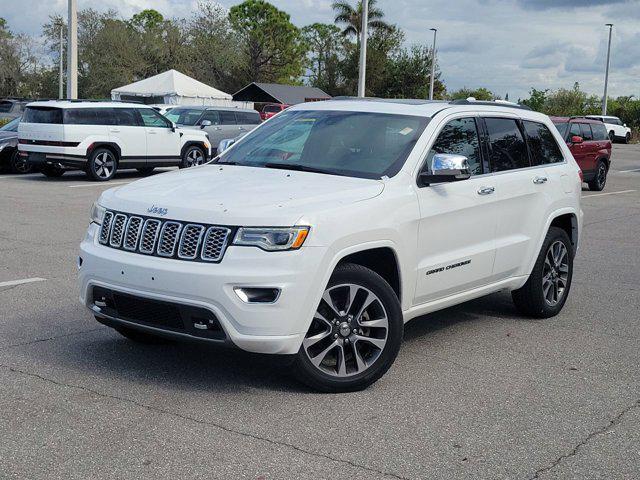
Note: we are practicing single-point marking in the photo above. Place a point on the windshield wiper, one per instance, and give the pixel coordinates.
(295, 166)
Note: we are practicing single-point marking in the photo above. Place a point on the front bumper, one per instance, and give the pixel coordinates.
(276, 328)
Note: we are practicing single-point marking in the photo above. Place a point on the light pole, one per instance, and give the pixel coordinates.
(363, 49)
(61, 67)
(606, 72)
(72, 51)
(433, 63)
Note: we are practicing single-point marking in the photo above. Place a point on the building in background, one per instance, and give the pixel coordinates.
(264, 93)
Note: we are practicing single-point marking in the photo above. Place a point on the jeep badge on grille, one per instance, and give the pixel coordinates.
(157, 210)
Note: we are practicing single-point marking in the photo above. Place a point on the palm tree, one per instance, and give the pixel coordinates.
(351, 18)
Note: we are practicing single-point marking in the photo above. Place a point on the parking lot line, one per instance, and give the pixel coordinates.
(608, 193)
(13, 283)
(2, 177)
(627, 171)
(105, 184)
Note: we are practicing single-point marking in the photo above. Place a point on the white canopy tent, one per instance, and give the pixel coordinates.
(175, 88)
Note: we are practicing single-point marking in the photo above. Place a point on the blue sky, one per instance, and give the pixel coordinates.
(507, 46)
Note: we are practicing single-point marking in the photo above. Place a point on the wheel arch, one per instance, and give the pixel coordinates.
(113, 147)
(197, 143)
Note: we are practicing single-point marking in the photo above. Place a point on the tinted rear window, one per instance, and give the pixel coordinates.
(248, 118)
(599, 131)
(227, 118)
(89, 116)
(507, 148)
(43, 115)
(542, 144)
(271, 109)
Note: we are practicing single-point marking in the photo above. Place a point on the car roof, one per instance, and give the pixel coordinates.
(418, 107)
(575, 119)
(85, 104)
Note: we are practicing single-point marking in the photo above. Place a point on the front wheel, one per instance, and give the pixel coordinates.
(102, 165)
(192, 156)
(600, 180)
(547, 288)
(627, 138)
(19, 165)
(612, 136)
(355, 334)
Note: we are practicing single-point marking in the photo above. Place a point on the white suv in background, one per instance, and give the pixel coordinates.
(102, 137)
(320, 233)
(616, 129)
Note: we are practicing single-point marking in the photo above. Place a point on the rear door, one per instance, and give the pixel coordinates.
(589, 149)
(163, 143)
(247, 121)
(522, 193)
(456, 237)
(129, 134)
(40, 125)
(228, 124)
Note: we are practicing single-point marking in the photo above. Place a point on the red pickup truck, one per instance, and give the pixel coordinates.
(272, 109)
(590, 145)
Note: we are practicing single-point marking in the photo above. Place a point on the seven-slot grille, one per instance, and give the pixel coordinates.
(164, 238)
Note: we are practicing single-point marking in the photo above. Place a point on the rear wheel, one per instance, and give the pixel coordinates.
(355, 334)
(600, 179)
(19, 165)
(547, 288)
(102, 165)
(192, 156)
(52, 171)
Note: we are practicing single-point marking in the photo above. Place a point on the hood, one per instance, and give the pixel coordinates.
(237, 195)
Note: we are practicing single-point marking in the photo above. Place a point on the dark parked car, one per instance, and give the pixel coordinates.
(590, 145)
(9, 158)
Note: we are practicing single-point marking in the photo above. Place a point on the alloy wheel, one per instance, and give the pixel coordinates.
(194, 157)
(555, 273)
(349, 331)
(601, 176)
(104, 165)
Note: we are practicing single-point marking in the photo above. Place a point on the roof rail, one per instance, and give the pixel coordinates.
(466, 101)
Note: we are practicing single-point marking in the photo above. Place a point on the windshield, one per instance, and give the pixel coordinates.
(184, 116)
(562, 127)
(12, 126)
(357, 144)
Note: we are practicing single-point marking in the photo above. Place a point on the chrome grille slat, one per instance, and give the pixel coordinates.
(164, 238)
(190, 241)
(215, 242)
(169, 236)
(117, 230)
(150, 233)
(134, 227)
(105, 228)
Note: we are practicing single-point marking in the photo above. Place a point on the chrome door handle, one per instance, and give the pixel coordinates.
(486, 191)
(153, 132)
(540, 180)
(114, 130)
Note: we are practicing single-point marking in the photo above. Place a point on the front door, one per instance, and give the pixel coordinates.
(163, 143)
(456, 237)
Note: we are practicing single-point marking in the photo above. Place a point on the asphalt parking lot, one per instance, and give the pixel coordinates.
(476, 392)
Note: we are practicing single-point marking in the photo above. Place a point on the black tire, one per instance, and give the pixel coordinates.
(52, 171)
(102, 165)
(18, 165)
(600, 179)
(627, 138)
(192, 155)
(315, 377)
(142, 337)
(612, 136)
(530, 299)
(146, 170)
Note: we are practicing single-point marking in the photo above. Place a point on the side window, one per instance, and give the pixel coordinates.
(575, 131)
(151, 118)
(599, 131)
(248, 118)
(212, 116)
(542, 144)
(126, 117)
(459, 137)
(507, 149)
(586, 131)
(227, 118)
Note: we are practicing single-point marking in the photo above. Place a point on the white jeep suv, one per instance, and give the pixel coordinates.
(616, 129)
(102, 137)
(323, 231)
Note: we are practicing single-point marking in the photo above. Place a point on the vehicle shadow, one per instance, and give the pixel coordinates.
(103, 354)
(79, 176)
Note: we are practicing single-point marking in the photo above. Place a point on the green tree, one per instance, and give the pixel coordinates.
(351, 18)
(536, 100)
(408, 75)
(479, 94)
(325, 51)
(273, 47)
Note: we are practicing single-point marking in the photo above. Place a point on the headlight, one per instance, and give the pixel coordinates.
(272, 239)
(97, 213)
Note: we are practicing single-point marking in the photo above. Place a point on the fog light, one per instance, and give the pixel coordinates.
(257, 295)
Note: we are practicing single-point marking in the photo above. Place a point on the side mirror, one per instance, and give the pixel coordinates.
(225, 144)
(624, 125)
(205, 123)
(173, 127)
(576, 139)
(446, 168)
